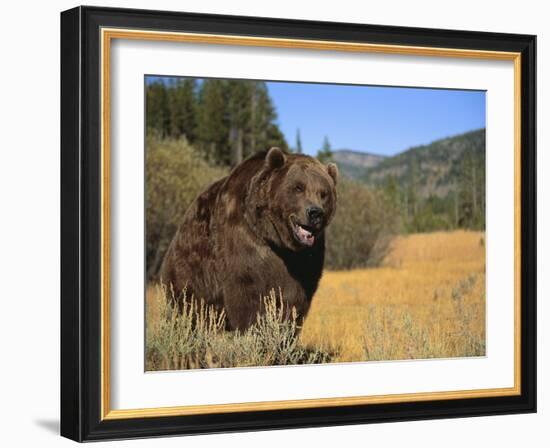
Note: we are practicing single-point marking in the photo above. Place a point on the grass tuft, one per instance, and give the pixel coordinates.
(196, 337)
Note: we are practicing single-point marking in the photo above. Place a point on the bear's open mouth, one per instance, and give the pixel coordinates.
(303, 233)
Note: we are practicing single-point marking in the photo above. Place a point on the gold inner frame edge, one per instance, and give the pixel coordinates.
(107, 35)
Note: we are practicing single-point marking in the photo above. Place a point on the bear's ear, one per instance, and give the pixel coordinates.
(333, 172)
(275, 158)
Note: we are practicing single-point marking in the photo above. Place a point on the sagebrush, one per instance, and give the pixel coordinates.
(194, 337)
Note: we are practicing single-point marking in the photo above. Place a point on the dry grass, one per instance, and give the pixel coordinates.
(196, 339)
(427, 301)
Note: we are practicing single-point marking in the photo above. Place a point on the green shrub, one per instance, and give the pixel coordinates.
(195, 338)
(174, 175)
(362, 229)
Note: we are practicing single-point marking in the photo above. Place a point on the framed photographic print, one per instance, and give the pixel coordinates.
(275, 224)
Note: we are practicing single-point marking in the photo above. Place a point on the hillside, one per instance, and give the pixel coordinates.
(434, 168)
(354, 164)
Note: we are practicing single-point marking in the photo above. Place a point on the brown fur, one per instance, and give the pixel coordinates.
(236, 240)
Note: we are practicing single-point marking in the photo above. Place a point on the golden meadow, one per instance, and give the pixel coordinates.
(426, 300)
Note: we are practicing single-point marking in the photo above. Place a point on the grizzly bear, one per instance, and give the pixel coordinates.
(261, 228)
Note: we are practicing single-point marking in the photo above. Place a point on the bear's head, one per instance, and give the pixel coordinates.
(292, 199)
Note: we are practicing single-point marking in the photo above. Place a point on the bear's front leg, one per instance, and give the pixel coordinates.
(245, 301)
(242, 304)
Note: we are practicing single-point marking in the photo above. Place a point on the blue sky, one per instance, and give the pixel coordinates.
(381, 120)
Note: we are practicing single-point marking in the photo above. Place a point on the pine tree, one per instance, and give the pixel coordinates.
(212, 130)
(298, 142)
(267, 133)
(466, 191)
(239, 117)
(391, 192)
(471, 189)
(157, 110)
(252, 125)
(276, 138)
(325, 153)
(412, 199)
(183, 109)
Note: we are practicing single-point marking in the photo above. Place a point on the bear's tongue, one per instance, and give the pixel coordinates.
(305, 236)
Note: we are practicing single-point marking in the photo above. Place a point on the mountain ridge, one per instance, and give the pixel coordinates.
(433, 167)
(354, 163)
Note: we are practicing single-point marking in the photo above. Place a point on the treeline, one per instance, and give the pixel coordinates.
(462, 205)
(224, 120)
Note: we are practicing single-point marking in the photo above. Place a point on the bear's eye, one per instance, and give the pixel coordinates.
(324, 194)
(298, 188)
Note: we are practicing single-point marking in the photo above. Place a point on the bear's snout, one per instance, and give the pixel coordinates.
(315, 215)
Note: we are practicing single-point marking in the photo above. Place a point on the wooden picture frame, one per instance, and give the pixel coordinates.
(86, 36)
